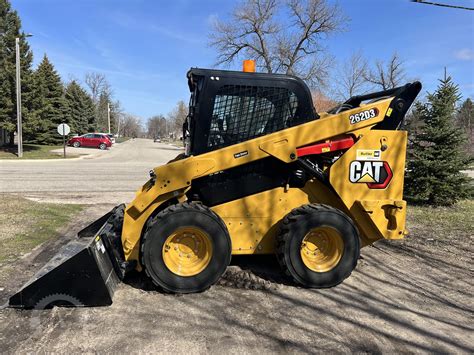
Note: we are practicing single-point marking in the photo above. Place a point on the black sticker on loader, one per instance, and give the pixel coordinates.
(241, 154)
(363, 116)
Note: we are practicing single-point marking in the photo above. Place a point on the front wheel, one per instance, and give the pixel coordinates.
(186, 248)
(102, 146)
(318, 245)
(76, 144)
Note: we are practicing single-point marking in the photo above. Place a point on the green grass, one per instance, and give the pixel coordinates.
(121, 139)
(33, 151)
(24, 224)
(458, 218)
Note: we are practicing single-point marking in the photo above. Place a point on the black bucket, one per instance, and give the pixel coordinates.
(85, 272)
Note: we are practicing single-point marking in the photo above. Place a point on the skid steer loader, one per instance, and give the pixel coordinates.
(262, 173)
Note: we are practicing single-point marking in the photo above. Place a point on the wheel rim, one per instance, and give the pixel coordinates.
(322, 249)
(187, 251)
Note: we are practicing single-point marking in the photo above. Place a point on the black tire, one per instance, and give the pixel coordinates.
(293, 230)
(102, 146)
(164, 224)
(76, 144)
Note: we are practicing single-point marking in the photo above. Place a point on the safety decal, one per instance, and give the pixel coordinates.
(99, 245)
(241, 154)
(376, 174)
(363, 116)
(368, 154)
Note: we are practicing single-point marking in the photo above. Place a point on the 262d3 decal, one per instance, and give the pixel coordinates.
(376, 174)
(363, 116)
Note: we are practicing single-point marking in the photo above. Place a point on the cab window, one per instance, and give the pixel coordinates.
(245, 112)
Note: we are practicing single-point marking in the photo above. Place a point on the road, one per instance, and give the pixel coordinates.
(111, 177)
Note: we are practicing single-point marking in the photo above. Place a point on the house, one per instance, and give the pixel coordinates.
(4, 137)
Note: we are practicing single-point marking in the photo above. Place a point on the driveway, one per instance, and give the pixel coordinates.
(112, 176)
(407, 296)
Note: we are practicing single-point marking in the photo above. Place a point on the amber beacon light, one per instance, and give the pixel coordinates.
(249, 66)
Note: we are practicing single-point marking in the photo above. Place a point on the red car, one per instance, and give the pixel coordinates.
(100, 141)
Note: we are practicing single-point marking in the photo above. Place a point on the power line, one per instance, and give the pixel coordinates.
(443, 5)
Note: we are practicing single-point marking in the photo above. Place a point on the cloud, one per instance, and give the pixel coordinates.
(465, 54)
(129, 22)
(212, 19)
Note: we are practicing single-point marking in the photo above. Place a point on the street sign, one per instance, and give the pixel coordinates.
(64, 129)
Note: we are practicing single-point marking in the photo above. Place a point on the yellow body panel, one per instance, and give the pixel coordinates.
(252, 221)
(379, 213)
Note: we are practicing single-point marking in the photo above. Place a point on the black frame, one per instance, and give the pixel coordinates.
(204, 85)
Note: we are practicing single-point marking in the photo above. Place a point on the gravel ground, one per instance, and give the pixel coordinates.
(408, 296)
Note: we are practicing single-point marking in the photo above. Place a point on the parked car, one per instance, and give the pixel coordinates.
(110, 135)
(97, 140)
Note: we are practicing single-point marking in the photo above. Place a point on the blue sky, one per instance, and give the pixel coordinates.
(145, 47)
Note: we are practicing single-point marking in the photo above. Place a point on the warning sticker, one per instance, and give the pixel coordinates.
(368, 154)
(99, 245)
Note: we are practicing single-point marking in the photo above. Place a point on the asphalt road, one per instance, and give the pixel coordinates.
(112, 176)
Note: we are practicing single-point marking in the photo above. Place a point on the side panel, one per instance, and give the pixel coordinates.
(253, 221)
(369, 180)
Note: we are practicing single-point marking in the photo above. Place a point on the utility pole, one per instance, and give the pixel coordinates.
(19, 128)
(19, 133)
(108, 115)
(118, 124)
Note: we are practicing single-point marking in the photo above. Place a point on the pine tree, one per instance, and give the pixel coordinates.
(436, 157)
(81, 109)
(10, 29)
(49, 106)
(465, 118)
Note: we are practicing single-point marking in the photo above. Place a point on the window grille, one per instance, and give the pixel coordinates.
(245, 112)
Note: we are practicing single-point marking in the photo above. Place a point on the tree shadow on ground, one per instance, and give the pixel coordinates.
(403, 297)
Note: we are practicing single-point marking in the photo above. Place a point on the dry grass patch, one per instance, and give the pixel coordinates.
(24, 224)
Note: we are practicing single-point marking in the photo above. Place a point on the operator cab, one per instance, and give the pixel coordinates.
(229, 107)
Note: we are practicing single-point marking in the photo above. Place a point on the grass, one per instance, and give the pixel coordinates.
(455, 219)
(121, 139)
(25, 224)
(33, 151)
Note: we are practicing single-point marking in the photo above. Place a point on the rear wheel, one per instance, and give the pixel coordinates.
(102, 146)
(76, 144)
(186, 248)
(318, 245)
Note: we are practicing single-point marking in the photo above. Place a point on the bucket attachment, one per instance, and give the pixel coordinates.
(85, 272)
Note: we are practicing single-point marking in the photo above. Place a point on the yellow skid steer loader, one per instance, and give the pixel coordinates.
(262, 173)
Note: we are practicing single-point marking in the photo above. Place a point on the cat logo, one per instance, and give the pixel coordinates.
(376, 174)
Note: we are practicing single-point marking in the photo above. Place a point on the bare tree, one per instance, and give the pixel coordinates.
(256, 31)
(177, 117)
(387, 75)
(97, 84)
(351, 77)
(156, 127)
(130, 126)
(322, 103)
